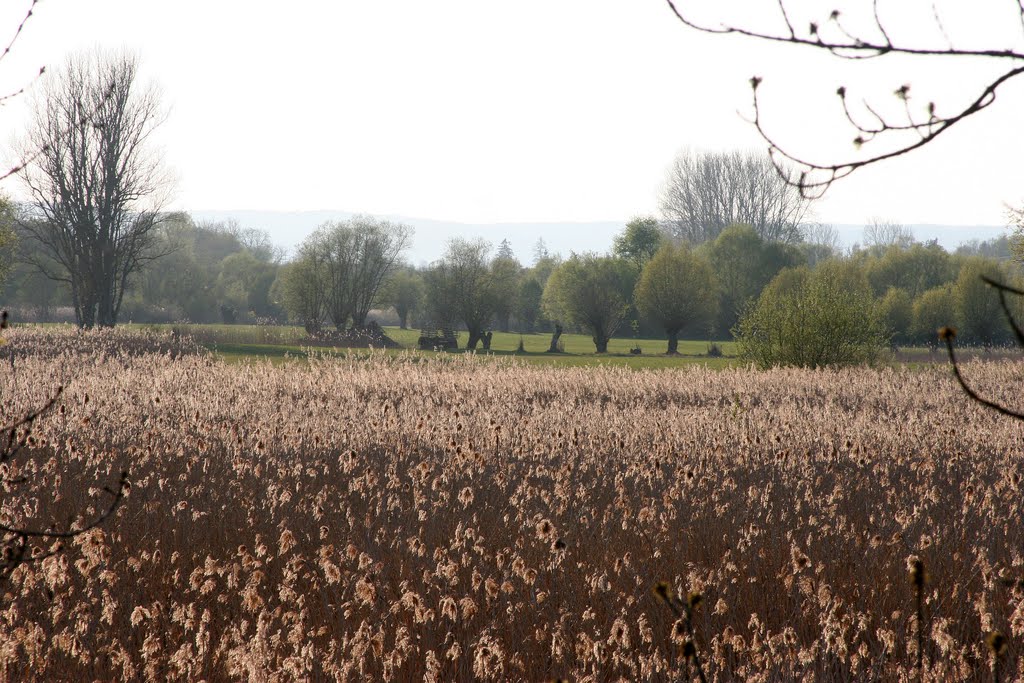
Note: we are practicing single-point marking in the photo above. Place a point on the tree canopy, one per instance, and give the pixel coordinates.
(460, 288)
(639, 241)
(812, 318)
(590, 291)
(678, 291)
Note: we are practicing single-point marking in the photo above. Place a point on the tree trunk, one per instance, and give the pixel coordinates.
(486, 339)
(403, 318)
(601, 342)
(673, 343)
(106, 279)
(474, 337)
(554, 339)
(87, 308)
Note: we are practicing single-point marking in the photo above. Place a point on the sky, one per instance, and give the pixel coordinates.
(535, 111)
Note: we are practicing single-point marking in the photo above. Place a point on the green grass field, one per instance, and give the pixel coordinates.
(278, 344)
(237, 343)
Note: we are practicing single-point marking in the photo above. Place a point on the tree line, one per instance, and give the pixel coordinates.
(901, 290)
(223, 273)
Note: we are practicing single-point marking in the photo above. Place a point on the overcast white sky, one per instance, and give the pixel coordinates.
(538, 110)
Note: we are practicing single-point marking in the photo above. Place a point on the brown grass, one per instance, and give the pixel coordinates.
(450, 519)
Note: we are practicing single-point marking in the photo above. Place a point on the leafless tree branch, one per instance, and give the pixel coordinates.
(947, 335)
(815, 177)
(17, 541)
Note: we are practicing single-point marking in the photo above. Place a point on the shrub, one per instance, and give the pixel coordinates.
(977, 305)
(812, 319)
(896, 309)
(933, 309)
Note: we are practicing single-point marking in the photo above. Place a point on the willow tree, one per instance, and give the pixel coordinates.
(678, 291)
(461, 288)
(357, 257)
(592, 292)
(94, 180)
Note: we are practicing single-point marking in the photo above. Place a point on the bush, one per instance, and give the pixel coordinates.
(812, 319)
(896, 309)
(934, 309)
(978, 313)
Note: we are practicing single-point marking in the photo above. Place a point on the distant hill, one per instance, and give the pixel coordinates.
(289, 228)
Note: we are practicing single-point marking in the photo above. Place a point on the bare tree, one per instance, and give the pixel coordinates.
(357, 256)
(861, 34)
(706, 192)
(334, 243)
(883, 233)
(379, 244)
(95, 184)
(819, 242)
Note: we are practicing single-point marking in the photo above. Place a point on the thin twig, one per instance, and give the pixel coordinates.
(815, 178)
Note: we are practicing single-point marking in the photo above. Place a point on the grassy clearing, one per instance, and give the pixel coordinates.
(242, 343)
(239, 343)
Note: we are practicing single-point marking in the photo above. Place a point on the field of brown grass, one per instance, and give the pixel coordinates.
(448, 519)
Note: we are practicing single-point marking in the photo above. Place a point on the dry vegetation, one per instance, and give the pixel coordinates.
(451, 519)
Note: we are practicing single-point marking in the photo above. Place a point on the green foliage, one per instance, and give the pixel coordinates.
(914, 269)
(592, 292)
(896, 309)
(461, 288)
(1000, 248)
(543, 268)
(743, 264)
(8, 238)
(205, 267)
(678, 291)
(1016, 219)
(640, 241)
(812, 319)
(404, 291)
(934, 309)
(978, 312)
(505, 273)
(301, 288)
(528, 303)
(244, 283)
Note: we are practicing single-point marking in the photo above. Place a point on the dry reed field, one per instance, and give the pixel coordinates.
(451, 519)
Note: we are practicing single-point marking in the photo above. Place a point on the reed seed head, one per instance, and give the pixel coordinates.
(997, 643)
